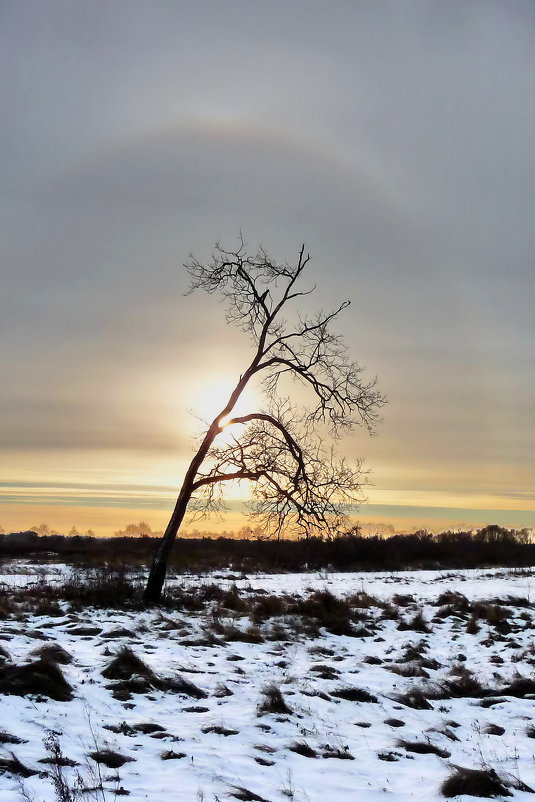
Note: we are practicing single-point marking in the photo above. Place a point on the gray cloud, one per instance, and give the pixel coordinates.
(395, 139)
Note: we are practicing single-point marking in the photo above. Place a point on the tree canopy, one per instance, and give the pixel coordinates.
(285, 450)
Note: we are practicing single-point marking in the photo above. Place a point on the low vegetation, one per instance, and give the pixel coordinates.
(287, 672)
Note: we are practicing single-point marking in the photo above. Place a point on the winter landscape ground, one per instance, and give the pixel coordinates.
(308, 687)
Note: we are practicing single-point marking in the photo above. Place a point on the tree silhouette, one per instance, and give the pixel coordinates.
(298, 485)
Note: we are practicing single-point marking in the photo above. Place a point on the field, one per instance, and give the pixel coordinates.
(313, 687)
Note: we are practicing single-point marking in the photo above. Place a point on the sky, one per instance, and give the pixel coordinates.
(396, 139)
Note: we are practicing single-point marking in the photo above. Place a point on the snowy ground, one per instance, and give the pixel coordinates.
(221, 745)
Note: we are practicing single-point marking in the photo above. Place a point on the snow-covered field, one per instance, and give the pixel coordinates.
(460, 659)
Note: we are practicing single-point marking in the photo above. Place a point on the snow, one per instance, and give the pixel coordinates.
(215, 764)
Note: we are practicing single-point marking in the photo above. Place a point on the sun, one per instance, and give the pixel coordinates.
(212, 395)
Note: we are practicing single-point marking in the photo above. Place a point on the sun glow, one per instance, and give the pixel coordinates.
(211, 398)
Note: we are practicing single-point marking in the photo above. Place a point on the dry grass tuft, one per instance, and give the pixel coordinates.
(53, 652)
(484, 783)
(273, 701)
(110, 759)
(40, 678)
(133, 675)
(302, 748)
(423, 748)
(355, 695)
(12, 765)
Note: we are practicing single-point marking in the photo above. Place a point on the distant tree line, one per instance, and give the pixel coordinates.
(491, 545)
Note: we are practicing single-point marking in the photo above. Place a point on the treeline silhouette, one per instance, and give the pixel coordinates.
(492, 545)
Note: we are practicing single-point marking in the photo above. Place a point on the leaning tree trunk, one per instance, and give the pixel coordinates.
(153, 588)
(158, 570)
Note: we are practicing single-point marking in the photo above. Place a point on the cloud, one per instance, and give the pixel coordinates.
(395, 140)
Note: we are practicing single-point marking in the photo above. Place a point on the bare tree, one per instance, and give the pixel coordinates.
(297, 483)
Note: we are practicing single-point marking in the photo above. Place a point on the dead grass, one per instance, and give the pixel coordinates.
(133, 675)
(486, 783)
(273, 701)
(327, 611)
(109, 758)
(269, 607)
(7, 738)
(408, 670)
(245, 795)
(494, 729)
(423, 748)
(464, 685)
(416, 698)
(53, 652)
(519, 687)
(5, 657)
(126, 665)
(302, 748)
(169, 754)
(12, 765)
(416, 624)
(453, 600)
(355, 695)
(324, 671)
(338, 752)
(40, 678)
(218, 729)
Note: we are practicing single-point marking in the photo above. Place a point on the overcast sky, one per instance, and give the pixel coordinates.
(396, 139)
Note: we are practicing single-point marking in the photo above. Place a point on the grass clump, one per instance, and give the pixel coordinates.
(324, 671)
(39, 678)
(416, 624)
(132, 675)
(109, 758)
(269, 607)
(245, 795)
(8, 738)
(273, 701)
(302, 748)
(423, 748)
(53, 652)
(416, 698)
(218, 729)
(486, 783)
(327, 611)
(5, 657)
(338, 752)
(519, 687)
(464, 685)
(355, 695)
(408, 670)
(12, 765)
